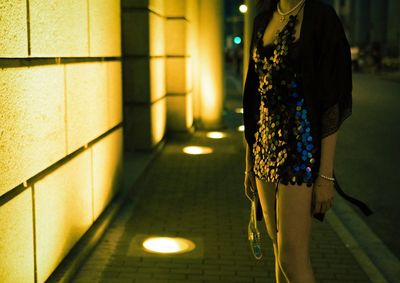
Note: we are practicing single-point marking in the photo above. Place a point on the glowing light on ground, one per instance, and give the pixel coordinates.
(239, 110)
(241, 128)
(243, 8)
(195, 150)
(216, 135)
(168, 245)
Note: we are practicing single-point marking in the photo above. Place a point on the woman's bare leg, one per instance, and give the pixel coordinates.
(266, 192)
(294, 230)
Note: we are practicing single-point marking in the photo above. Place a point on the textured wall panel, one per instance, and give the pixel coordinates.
(180, 112)
(144, 79)
(156, 6)
(59, 28)
(137, 127)
(105, 28)
(175, 8)
(63, 207)
(13, 29)
(158, 121)
(114, 93)
(16, 239)
(32, 126)
(107, 169)
(145, 125)
(137, 80)
(157, 78)
(146, 26)
(178, 75)
(87, 109)
(176, 37)
(135, 25)
(156, 34)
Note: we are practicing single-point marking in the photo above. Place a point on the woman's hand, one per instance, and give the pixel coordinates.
(249, 184)
(323, 191)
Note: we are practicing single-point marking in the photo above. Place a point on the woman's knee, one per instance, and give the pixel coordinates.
(271, 228)
(292, 258)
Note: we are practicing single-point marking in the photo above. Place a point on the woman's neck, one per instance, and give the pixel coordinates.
(287, 5)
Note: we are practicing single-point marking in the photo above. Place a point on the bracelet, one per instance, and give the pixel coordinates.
(327, 178)
(249, 171)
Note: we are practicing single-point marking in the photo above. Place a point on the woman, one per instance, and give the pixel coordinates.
(296, 96)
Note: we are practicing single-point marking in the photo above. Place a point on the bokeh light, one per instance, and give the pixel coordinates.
(243, 8)
(237, 40)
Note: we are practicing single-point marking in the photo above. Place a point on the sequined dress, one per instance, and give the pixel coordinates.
(285, 150)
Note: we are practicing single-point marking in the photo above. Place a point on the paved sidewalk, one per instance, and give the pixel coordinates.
(201, 198)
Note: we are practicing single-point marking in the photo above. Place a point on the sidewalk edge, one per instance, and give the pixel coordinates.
(378, 262)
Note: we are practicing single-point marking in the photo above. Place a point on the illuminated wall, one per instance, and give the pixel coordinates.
(60, 128)
(145, 103)
(173, 68)
(179, 67)
(211, 62)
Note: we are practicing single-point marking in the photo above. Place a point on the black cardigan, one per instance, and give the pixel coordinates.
(325, 67)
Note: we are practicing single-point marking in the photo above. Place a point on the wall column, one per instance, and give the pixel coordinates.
(144, 73)
(178, 65)
(211, 62)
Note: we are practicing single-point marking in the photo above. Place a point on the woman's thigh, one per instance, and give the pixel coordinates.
(266, 193)
(294, 218)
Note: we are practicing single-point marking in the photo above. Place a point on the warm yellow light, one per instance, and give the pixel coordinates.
(243, 8)
(241, 128)
(239, 110)
(197, 150)
(168, 245)
(216, 135)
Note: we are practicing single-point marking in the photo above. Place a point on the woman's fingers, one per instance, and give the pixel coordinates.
(247, 188)
(323, 206)
(317, 207)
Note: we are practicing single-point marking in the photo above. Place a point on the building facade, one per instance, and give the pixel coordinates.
(371, 21)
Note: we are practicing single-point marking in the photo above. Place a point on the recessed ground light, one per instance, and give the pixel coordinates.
(241, 128)
(197, 150)
(168, 245)
(216, 135)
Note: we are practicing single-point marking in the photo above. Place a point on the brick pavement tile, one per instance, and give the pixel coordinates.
(201, 197)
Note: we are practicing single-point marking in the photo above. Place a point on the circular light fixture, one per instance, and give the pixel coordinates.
(243, 8)
(239, 110)
(196, 150)
(216, 135)
(168, 245)
(241, 128)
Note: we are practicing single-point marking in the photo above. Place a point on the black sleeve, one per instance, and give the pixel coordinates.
(335, 75)
(250, 97)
